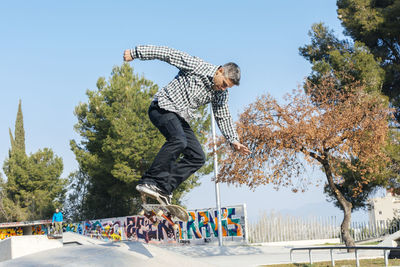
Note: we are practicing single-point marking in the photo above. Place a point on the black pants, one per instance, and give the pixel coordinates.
(166, 172)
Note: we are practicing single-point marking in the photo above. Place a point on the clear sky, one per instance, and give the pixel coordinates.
(52, 52)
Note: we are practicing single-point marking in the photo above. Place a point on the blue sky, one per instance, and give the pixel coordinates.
(52, 52)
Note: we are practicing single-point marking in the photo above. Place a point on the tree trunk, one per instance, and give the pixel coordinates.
(346, 205)
(345, 226)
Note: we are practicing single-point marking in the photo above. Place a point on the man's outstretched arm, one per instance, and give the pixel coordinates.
(179, 59)
(225, 124)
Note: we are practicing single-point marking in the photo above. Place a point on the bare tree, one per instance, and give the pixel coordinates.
(327, 127)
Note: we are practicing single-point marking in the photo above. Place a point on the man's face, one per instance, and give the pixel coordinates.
(56, 210)
(221, 83)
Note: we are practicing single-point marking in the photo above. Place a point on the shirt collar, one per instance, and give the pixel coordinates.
(212, 74)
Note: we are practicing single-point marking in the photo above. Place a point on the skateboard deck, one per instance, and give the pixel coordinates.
(173, 211)
(158, 212)
(53, 235)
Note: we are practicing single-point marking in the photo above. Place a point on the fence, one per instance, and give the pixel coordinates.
(274, 227)
(364, 231)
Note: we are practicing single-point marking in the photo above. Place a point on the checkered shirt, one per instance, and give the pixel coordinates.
(191, 88)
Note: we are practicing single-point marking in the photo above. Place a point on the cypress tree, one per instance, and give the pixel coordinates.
(34, 188)
(18, 143)
(19, 130)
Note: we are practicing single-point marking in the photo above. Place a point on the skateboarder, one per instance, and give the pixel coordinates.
(197, 83)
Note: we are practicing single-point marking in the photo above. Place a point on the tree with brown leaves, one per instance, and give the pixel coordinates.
(326, 127)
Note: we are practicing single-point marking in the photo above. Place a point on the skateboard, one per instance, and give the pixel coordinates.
(53, 234)
(158, 212)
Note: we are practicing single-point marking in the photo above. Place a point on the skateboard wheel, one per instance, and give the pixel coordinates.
(160, 213)
(175, 227)
(141, 213)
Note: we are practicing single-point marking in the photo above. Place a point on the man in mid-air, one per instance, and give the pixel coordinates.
(197, 83)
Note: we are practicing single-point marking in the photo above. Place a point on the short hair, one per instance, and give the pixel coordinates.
(232, 72)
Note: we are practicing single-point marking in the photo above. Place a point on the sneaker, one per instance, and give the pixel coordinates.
(155, 192)
(149, 189)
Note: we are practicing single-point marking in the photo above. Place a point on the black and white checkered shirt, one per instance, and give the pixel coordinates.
(191, 88)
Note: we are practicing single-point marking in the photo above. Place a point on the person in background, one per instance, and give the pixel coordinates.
(57, 221)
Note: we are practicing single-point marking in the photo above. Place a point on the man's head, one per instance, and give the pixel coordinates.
(57, 210)
(227, 76)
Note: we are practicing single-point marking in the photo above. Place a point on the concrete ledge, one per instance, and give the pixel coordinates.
(18, 246)
(5, 249)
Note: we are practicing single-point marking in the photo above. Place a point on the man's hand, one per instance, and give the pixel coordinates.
(241, 148)
(127, 55)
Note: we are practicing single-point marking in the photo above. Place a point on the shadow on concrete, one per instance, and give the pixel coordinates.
(137, 247)
(206, 250)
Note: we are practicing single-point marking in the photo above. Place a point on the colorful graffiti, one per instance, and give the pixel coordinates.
(105, 229)
(40, 229)
(9, 232)
(202, 227)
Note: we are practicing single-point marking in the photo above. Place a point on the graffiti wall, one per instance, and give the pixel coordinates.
(9, 232)
(201, 228)
(40, 227)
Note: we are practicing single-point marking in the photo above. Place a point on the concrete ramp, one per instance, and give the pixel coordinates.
(127, 253)
(18, 246)
(392, 240)
(74, 238)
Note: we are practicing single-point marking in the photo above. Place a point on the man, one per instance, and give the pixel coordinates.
(57, 221)
(197, 83)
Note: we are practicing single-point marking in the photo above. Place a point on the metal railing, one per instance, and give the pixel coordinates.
(356, 249)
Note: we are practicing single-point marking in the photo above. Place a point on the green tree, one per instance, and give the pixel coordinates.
(349, 179)
(34, 187)
(45, 187)
(75, 204)
(376, 24)
(348, 61)
(119, 143)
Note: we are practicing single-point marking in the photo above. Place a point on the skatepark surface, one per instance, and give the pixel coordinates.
(83, 251)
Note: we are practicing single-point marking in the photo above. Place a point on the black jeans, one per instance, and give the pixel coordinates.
(166, 172)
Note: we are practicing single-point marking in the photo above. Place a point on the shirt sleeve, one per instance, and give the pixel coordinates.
(179, 59)
(223, 117)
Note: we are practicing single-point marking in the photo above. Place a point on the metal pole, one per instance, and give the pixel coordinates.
(217, 194)
(357, 260)
(385, 255)
(332, 260)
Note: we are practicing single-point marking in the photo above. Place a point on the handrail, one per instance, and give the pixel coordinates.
(356, 248)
